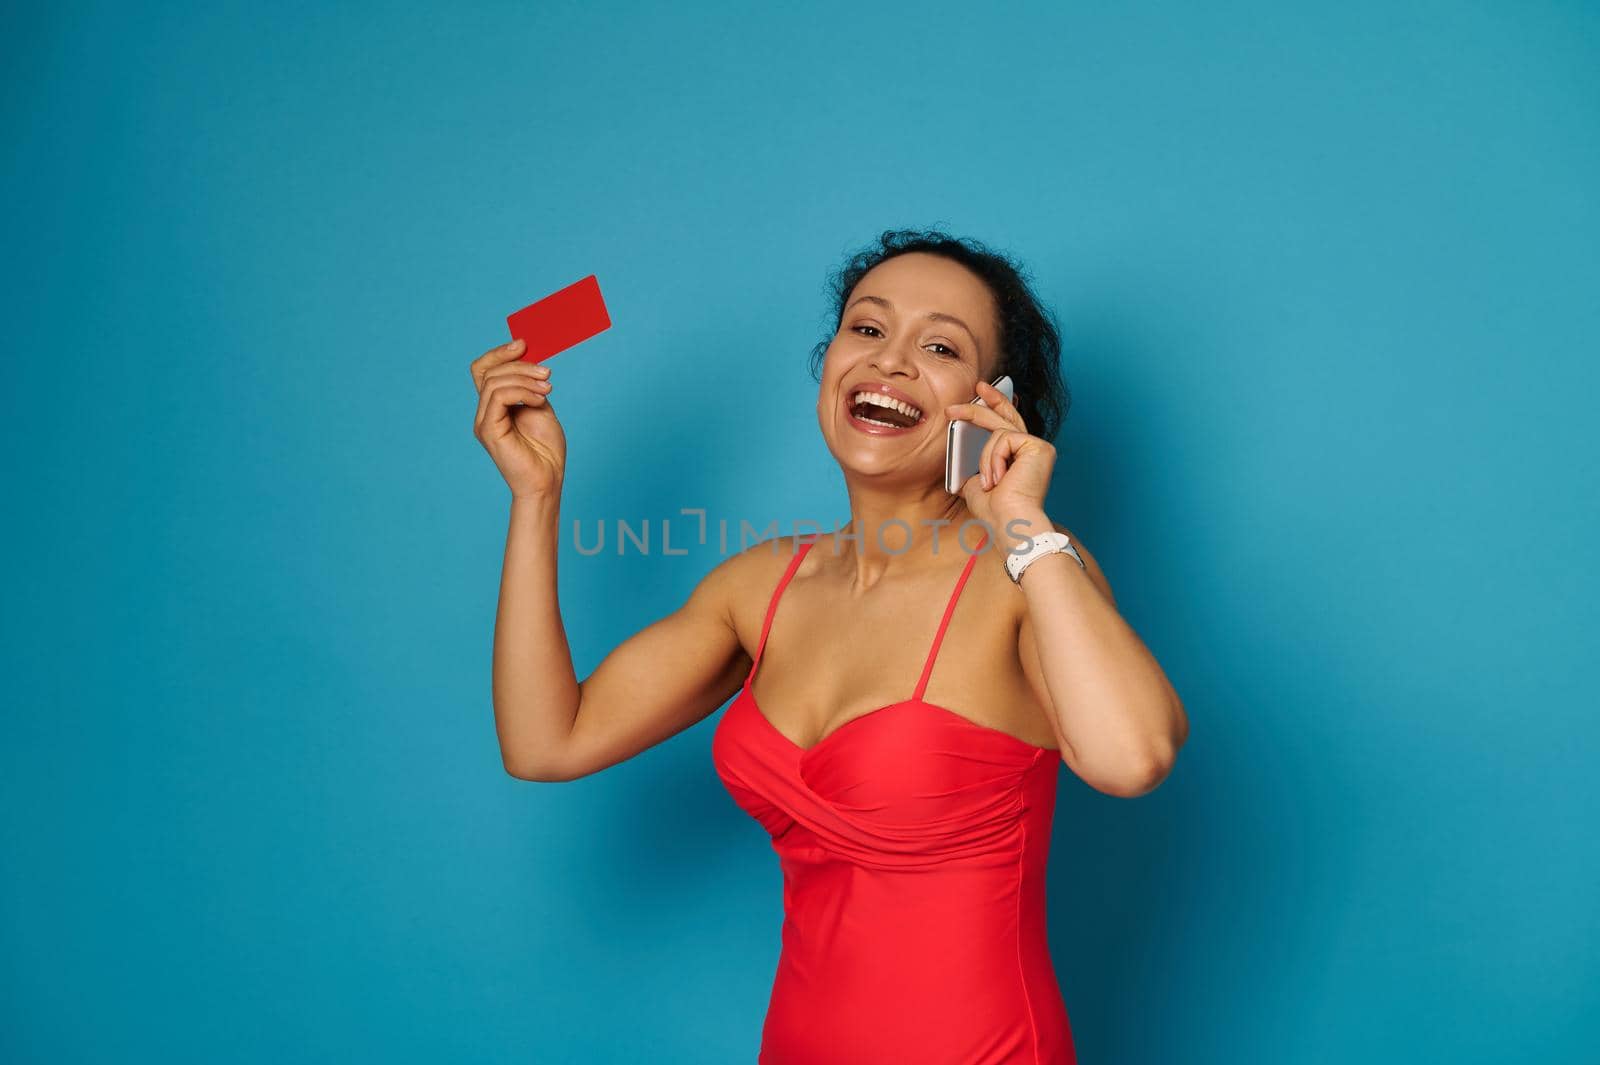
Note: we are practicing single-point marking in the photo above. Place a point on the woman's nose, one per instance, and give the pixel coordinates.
(896, 357)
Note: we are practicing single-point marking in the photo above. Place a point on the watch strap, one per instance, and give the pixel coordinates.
(1050, 543)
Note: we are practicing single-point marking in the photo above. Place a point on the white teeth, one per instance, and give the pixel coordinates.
(881, 400)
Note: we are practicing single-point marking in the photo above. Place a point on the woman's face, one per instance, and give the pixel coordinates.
(918, 333)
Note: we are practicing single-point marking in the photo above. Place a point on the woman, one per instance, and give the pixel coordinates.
(913, 833)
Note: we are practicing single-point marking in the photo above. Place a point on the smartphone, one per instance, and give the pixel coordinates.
(560, 320)
(963, 444)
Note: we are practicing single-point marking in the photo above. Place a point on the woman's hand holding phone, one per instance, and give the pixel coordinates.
(516, 424)
(1015, 466)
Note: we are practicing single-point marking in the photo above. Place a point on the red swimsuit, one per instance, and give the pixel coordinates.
(913, 844)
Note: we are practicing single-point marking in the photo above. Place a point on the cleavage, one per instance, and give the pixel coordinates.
(831, 729)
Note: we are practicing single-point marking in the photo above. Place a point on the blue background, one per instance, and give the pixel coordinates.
(1327, 280)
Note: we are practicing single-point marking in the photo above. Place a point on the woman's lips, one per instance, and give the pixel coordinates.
(868, 427)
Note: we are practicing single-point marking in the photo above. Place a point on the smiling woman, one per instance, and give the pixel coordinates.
(1025, 329)
(913, 833)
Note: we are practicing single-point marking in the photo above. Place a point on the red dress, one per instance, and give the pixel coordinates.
(913, 843)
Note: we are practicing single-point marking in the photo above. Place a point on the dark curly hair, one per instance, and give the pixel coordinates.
(1030, 343)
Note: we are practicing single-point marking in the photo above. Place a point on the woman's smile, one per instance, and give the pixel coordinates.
(881, 410)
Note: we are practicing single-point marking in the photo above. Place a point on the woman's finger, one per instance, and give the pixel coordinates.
(1002, 406)
(499, 397)
(501, 407)
(983, 459)
(982, 417)
(987, 475)
(494, 357)
(1006, 444)
(541, 387)
(516, 369)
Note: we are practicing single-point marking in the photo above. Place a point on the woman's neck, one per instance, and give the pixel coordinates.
(892, 528)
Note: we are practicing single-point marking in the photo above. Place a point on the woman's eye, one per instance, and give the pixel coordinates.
(947, 353)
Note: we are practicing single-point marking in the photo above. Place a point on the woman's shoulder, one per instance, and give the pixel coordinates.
(766, 556)
(752, 573)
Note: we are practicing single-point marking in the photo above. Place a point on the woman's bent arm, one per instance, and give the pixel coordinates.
(655, 684)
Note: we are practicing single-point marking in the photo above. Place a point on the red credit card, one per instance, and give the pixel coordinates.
(560, 320)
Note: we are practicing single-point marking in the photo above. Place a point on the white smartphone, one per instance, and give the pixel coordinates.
(964, 443)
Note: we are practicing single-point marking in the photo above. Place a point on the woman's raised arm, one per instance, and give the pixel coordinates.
(656, 683)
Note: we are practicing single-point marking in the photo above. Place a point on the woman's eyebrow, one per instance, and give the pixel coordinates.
(935, 316)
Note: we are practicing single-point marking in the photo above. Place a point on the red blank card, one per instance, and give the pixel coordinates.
(560, 320)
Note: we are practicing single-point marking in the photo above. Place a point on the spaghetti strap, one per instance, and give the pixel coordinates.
(772, 606)
(944, 623)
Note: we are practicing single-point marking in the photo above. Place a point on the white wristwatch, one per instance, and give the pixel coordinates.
(1050, 543)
